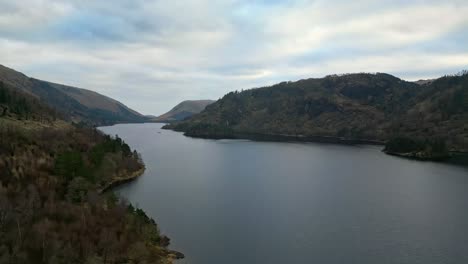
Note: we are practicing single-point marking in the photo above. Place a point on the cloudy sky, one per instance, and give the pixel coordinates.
(153, 54)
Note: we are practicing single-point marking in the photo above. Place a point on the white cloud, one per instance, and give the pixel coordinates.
(305, 28)
(153, 54)
(31, 15)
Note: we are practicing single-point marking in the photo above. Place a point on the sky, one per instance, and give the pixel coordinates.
(151, 55)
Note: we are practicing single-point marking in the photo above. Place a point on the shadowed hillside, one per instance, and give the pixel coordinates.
(77, 105)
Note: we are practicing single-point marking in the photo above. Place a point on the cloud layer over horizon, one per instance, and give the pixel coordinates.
(151, 55)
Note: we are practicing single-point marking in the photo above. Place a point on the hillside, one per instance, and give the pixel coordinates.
(16, 104)
(76, 104)
(184, 110)
(362, 107)
(51, 177)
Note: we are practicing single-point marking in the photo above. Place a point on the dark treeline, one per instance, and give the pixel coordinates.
(14, 103)
(50, 207)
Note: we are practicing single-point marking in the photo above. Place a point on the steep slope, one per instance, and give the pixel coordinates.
(51, 174)
(78, 105)
(372, 107)
(184, 110)
(16, 104)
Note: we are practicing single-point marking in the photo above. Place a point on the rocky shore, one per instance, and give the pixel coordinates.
(121, 179)
(420, 155)
(459, 158)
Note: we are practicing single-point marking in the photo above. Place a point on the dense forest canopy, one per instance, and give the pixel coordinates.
(361, 106)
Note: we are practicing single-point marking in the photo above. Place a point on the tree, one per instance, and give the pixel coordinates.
(69, 165)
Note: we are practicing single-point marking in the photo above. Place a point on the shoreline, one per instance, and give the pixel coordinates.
(284, 138)
(170, 254)
(121, 180)
(418, 156)
(456, 157)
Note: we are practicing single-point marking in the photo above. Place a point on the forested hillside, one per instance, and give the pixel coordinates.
(18, 105)
(75, 104)
(52, 209)
(374, 107)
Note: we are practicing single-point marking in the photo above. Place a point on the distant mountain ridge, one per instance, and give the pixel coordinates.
(374, 107)
(76, 104)
(184, 110)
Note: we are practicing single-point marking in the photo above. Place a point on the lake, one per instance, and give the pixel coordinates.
(239, 201)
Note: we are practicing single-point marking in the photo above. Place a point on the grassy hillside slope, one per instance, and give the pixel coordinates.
(184, 110)
(76, 104)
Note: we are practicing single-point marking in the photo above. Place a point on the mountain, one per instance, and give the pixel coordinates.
(351, 107)
(423, 82)
(16, 104)
(52, 180)
(76, 104)
(184, 110)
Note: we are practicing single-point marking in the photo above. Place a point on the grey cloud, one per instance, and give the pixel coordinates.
(153, 54)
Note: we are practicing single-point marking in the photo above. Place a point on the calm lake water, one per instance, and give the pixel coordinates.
(235, 201)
